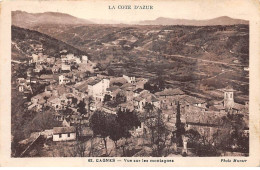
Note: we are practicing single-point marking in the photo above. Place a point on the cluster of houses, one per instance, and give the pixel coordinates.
(68, 86)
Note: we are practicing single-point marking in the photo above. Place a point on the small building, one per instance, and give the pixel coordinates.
(46, 77)
(129, 79)
(139, 103)
(84, 59)
(20, 81)
(229, 97)
(34, 80)
(35, 58)
(138, 91)
(140, 82)
(55, 69)
(64, 133)
(63, 79)
(21, 88)
(65, 67)
(98, 88)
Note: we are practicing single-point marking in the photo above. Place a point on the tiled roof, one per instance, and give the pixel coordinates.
(91, 83)
(238, 106)
(46, 76)
(62, 130)
(62, 89)
(54, 100)
(82, 86)
(126, 105)
(127, 86)
(170, 92)
(112, 88)
(86, 131)
(206, 117)
(193, 100)
(154, 99)
(219, 107)
(138, 98)
(138, 90)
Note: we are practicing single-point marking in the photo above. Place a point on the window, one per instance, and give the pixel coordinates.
(59, 135)
(68, 134)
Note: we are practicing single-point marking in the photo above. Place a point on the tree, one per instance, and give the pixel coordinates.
(80, 148)
(126, 120)
(149, 109)
(158, 131)
(43, 121)
(110, 72)
(38, 88)
(74, 100)
(107, 98)
(120, 98)
(100, 123)
(82, 107)
(180, 130)
(115, 133)
(231, 134)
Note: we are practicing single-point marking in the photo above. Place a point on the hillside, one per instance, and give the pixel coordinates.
(24, 41)
(27, 20)
(216, 43)
(194, 58)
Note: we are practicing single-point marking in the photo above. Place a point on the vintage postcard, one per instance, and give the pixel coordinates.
(130, 83)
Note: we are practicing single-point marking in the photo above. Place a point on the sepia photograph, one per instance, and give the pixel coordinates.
(160, 85)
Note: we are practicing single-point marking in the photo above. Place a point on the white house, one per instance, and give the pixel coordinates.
(65, 67)
(139, 103)
(84, 59)
(63, 79)
(21, 88)
(70, 57)
(129, 79)
(55, 69)
(64, 133)
(77, 60)
(98, 88)
(35, 58)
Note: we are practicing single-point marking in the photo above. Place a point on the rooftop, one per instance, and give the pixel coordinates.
(82, 86)
(46, 76)
(93, 82)
(193, 100)
(112, 88)
(138, 90)
(62, 130)
(170, 92)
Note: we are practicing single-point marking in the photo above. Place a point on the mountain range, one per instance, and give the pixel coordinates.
(28, 20)
(224, 20)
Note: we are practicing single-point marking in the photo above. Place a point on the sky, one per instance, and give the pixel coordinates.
(185, 9)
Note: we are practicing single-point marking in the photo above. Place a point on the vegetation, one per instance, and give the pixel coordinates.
(115, 127)
(157, 131)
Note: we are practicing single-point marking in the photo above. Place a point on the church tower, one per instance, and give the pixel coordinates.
(228, 97)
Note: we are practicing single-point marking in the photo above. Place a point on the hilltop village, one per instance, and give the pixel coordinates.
(73, 89)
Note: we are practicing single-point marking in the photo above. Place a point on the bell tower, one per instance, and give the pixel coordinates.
(228, 97)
